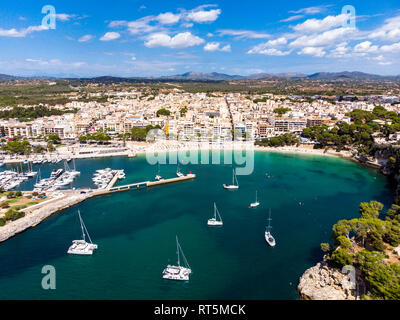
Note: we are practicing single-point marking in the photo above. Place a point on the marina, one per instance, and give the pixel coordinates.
(141, 226)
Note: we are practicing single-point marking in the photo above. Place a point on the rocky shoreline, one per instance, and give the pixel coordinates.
(36, 214)
(323, 282)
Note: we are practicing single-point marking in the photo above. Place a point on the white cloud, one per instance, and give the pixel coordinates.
(390, 31)
(187, 24)
(293, 18)
(312, 51)
(341, 51)
(269, 51)
(326, 38)
(267, 48)
(179, 41)
(157, 23)
(55, 63)
(277, 42)
(312, 10)
(244, 34)
(315, 25)
(215, 46)
(365, 47)
(85, 38)
(21, 33)
(110, 36)
(393, 48)
(202, 16)
(65, 16)
(168, 18)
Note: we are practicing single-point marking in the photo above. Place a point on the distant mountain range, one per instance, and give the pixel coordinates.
(214, 76)
(6, 77)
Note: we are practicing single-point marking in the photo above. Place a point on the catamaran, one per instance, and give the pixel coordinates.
(268, 236)
(214, 221)
(82, 247)
(255, 204)
(178, 272)
(232, 186)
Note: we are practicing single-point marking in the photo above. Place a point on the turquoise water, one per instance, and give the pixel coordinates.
(136, 231)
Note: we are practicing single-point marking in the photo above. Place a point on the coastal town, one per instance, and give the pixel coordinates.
(115, 126)
(200, 160)
(100, 121)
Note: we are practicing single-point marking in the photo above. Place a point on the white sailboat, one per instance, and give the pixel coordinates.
(81, 247)
(256, 203)
(214, 221)
(178, 272)
(158, 177)
(30, 173)
(232, 186)
(178, 171)
(268, 236)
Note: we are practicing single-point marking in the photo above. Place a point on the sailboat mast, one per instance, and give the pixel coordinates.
(83, 230)
(177, 251)
(269, 219)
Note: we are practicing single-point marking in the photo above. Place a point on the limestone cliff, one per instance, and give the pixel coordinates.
(322, 282)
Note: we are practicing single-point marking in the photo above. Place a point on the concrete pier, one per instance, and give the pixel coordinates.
(145, 184)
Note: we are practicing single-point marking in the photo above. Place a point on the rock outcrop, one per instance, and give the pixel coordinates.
(322, 282)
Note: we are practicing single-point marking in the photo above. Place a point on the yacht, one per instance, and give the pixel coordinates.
(30, 173)
(234, 185)
(255, 204)
(268, 236)
(74, 172)
(214, 221)
(81, 247)
(121, 175)
(158, 177)
(180, 273)
(178, 171)
(56, 173)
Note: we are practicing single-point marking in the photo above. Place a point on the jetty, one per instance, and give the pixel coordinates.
(146, 184)
(64, 199)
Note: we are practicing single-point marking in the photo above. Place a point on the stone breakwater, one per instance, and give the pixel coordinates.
(38, 213)
(322, 282)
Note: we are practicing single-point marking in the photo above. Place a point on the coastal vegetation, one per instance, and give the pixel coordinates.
(17, 147)
(287, 139)
(281, 111)
(139, 134)
(368, 243)
(359, 134)
(98, 136)
(31, 113)
(163, 112)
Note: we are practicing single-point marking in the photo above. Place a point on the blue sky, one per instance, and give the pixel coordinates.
(153, 38)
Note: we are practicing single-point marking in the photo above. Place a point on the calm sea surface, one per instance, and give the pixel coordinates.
(135, 230)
